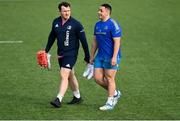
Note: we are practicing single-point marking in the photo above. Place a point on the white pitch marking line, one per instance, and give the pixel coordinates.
(10, 42)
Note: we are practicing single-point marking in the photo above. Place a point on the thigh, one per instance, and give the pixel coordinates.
(65, 72)
(72, 75)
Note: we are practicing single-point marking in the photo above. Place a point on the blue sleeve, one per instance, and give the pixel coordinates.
(82, 37)
(51, 39)
(116, 29)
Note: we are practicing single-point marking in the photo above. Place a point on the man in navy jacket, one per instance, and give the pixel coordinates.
(68, 31)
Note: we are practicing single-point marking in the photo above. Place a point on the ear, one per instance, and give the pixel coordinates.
(108, 11)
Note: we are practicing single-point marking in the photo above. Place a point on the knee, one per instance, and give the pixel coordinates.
(97, 80)
(96, 77)
(71, 76)
(109, 78)
(64, 76)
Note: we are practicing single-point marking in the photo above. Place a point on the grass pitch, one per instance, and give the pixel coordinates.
(150, 69)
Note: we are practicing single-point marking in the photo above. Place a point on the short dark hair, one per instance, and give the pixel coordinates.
(107, 6)
(66, 4)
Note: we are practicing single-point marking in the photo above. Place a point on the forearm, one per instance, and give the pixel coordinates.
(93, 49)
(85, 46)
(50, 42)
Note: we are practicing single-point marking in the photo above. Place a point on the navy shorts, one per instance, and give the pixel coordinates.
(67, 61)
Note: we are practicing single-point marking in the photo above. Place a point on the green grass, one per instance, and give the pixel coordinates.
(150, 68)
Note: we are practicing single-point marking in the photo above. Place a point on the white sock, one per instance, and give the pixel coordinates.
(110, 100)
(60, 97)
(115, 93)
(76, 94)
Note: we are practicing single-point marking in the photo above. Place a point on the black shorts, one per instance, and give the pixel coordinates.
(67, 61)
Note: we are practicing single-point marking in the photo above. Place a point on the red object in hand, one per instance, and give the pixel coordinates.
(42, 59)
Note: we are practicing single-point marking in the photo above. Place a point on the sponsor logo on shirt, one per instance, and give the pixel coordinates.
(66, 42)
(103, 33)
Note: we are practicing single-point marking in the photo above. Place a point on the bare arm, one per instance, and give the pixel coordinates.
(117, 42)
(93, 49)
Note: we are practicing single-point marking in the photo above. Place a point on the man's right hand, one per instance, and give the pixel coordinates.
(43, 59)
(91, 60)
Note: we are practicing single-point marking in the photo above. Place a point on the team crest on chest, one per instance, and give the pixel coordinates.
(106, 28)
(69, 27)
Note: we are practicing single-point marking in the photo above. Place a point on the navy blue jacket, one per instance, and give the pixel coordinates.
(68, 36)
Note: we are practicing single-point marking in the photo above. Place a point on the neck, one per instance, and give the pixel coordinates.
(105, 19)
(64, 20)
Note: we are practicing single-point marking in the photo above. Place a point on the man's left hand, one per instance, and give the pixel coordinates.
(113, 61)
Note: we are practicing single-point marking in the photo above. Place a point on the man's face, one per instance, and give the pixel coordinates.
(103, 12)
(65, 12)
